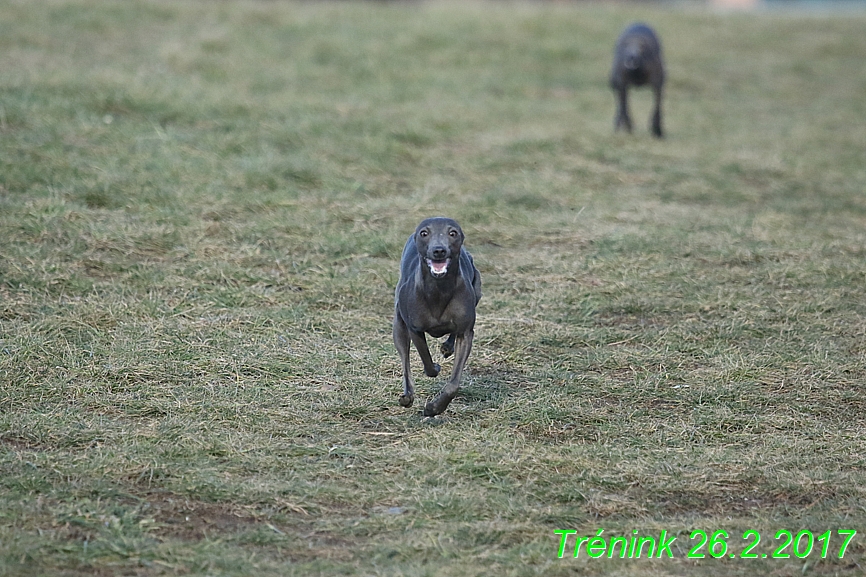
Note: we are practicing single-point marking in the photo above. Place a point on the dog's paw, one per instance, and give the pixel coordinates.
(446, 349)
(430, 409)
(438, 404)
(434, 372)
(407, 400)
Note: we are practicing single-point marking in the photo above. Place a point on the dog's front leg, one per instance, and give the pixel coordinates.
(401, 341)
(623, 120)
(656, 122)
(462, 348)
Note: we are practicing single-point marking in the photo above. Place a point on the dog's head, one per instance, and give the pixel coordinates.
(439, 240)
(634, 53)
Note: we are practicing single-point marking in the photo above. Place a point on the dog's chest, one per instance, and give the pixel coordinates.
(439, 318)
(638, 77)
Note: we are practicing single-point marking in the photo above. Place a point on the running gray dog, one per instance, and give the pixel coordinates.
(637, 61)
(438, 290)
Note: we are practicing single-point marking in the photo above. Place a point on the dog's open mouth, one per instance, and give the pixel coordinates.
(438, 267)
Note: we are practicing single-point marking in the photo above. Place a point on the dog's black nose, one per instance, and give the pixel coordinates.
(439, 253)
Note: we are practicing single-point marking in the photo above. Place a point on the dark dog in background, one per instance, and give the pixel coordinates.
(437, 292)
(637, 61)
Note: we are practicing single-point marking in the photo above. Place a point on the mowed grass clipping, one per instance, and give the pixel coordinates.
(202, 208)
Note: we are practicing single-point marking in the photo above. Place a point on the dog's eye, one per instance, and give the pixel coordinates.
(423, 233)
(452, 233)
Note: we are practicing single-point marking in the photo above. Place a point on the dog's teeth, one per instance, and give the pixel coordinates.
(438, 268)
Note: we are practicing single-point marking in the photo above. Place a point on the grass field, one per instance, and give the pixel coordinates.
(202, 208)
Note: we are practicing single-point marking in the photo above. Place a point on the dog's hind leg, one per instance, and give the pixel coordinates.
(431, 369)
(401, 341)
(447, 348)
(462, 348)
